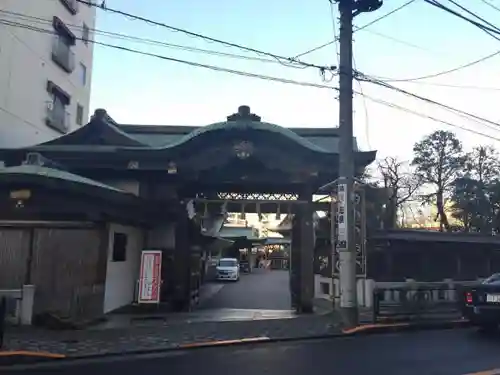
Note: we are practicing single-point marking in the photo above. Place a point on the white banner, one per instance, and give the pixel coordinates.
(150, 277)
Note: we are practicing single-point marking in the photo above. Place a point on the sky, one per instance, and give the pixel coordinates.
(415, 41)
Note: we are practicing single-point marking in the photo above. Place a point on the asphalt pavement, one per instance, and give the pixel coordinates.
(263, 289)
(453, 352)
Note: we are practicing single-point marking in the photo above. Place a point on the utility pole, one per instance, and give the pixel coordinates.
(346, 245)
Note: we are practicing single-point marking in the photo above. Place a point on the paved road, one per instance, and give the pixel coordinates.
(431, 353)
(262, 289)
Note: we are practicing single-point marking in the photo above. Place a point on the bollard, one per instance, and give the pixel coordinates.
(3, 313)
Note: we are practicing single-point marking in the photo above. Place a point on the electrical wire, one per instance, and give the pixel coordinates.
(483, 88)
(410, 111)
(456, 69)
(145, 41)
(365, 107)
(488, 30)
(474, 14)
(246, 74)
(334, 29)
(171, 59)
(355, 30)
(385, 15)
(281, 59)
(470, 116)
(490, 5)
(491, 31)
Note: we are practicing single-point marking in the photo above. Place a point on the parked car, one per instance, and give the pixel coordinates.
(228, 269)
(244, 266)
(481, 303)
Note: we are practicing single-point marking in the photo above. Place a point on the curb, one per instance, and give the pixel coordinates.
(9, 358)
(363, 330)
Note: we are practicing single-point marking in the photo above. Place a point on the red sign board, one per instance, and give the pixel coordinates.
(150, 277)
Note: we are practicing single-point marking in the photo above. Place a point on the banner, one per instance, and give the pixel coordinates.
(339, 231)
(150, 277)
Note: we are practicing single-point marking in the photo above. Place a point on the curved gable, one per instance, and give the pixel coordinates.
(101, 130)
(243, 120)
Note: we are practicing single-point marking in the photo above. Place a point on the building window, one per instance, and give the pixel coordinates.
(64, 40)
(57, 116)
(85, 34)
(83, 74)
(79, 114)
(119, 247)
(70, 5)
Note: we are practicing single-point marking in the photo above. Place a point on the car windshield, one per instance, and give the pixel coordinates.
(228, 263)
(492, 279)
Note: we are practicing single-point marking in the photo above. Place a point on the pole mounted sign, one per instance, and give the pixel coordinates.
(150, 277)
(339, 231)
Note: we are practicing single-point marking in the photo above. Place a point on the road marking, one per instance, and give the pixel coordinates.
(223, 342)
(31, 354)
(487, 372)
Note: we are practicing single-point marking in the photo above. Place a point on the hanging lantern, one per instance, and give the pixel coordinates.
(172, 168)
(242, 214)
(278, 213)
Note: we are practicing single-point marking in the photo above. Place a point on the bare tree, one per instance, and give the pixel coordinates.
(401, 184)
(439, 161)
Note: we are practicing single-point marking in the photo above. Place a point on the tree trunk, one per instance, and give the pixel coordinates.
(443, 219)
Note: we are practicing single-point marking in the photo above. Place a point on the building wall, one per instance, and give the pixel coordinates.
(122, 276)
(26, 65)
(65, 267)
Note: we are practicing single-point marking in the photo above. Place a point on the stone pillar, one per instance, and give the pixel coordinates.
(308, 241)
(27, 302)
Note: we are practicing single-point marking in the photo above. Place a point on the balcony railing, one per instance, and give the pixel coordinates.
(57, 119)
(71, 5)
(62, 54)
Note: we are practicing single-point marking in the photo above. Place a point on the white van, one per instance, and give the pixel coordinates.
(228, 269)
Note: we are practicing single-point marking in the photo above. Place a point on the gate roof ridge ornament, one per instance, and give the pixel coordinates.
(243, 114)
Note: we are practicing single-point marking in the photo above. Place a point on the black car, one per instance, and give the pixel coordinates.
(481, 303)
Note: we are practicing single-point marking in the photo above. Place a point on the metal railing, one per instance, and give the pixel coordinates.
(57, 118)
(417, 301)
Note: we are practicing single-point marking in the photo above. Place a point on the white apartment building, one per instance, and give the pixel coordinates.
(45, 69)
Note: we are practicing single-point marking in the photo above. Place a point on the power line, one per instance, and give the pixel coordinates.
(464, 66)
(473, 14)
(171, 59)
(488, 30)
(491, 5)
(132, 38)
(410, 111)
(245, 74)
(456, 69)
(355, 29)
(430, 101)
(483, 88)
(279, 58)
(385, 15)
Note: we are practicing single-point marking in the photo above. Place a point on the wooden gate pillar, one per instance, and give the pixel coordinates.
(182, 264)
(308, 242)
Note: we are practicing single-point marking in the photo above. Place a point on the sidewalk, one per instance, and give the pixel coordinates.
(165, 336)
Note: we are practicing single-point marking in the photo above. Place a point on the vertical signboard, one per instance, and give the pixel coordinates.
(339, 232)
(150, 277)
